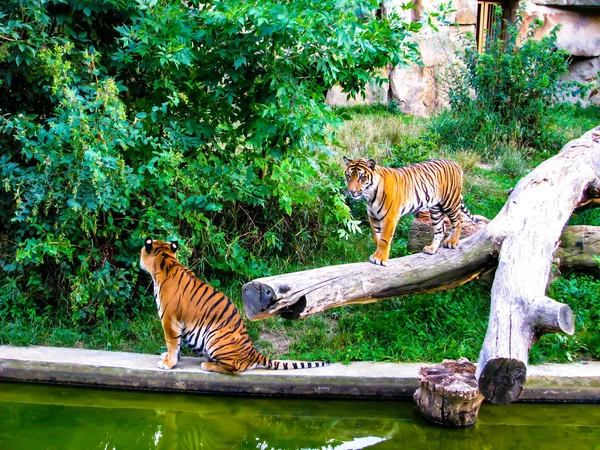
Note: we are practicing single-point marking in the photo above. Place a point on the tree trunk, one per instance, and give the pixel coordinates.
(530, 224)
(520, 241)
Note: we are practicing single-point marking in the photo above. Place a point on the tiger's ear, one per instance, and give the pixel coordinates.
(371, 163)
(347, 161)
(148, 245)
(174, 246)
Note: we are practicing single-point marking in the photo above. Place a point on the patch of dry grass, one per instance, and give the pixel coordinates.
(376, 134)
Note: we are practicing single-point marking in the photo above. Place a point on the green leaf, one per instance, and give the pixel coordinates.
(240, 61)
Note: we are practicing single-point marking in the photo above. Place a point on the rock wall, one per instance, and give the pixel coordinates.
(587, 72)
(579, 35)
(416, 88)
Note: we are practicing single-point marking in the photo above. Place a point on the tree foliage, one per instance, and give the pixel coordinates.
(197, 121)
(499, 98)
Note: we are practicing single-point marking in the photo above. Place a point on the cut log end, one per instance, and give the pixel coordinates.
(554, 317)
(566, 320)
(257, 299)
(502, 380)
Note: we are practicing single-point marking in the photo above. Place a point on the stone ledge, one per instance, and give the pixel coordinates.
(579, 32)
(551, 382)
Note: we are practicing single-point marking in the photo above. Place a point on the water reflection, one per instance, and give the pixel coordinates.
(250, 425)
(34, 417)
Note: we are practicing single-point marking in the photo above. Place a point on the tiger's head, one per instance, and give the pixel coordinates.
(360, 174)
(156, 254)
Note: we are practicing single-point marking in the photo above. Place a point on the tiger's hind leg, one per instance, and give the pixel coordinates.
(209, 366)
(437, 220)
(456, 224)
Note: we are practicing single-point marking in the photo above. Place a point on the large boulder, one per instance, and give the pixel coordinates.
(574, 3)
(466, 12)
(372, 95)
(416, 89)
(438, 48)
(584, 71)
(580, 28)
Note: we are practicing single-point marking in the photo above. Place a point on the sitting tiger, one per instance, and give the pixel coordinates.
(393, 193)
(205, 319)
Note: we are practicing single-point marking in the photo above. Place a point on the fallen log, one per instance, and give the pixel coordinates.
(578, 244)
(519, 243)
(300, 294)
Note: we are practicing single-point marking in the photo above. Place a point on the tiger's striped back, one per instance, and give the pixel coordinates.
(425, 184)
(193, 312)
(391, 193)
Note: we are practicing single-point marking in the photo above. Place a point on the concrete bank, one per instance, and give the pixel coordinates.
(577, 382)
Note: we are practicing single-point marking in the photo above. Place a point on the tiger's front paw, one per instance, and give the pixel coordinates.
(452, 241)
(378, 261)
(164, 363)
(430, 249)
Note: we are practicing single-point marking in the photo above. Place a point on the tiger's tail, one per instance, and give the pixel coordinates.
(291, 365)
(275, 364)
(468, 213)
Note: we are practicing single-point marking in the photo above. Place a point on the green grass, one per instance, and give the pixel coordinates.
(428, 327)
(420, 328)
(572, 122)
(141, 333)
(486, 191)
(581, 293)
(586, 216)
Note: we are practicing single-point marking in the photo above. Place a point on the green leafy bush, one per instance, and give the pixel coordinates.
(198, 121)
(500, 98)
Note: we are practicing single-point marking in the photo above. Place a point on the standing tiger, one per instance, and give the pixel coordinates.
(206, 320)
(392, 193)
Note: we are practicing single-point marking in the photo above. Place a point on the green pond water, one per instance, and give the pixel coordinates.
(55, 417)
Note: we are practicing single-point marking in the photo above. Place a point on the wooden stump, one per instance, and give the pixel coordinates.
(448, 393)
